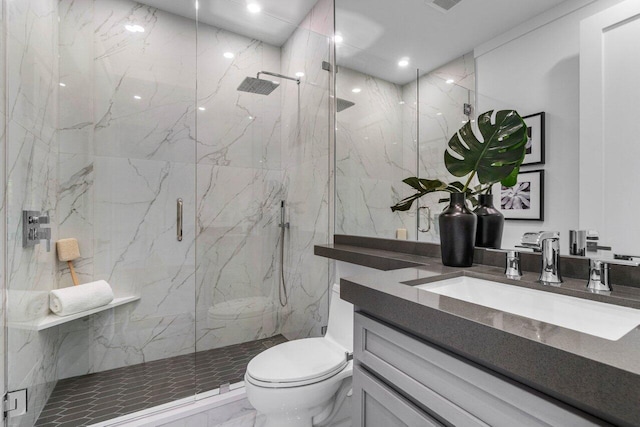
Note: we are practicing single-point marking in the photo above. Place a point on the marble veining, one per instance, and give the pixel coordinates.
(107, 130)
(378, 145)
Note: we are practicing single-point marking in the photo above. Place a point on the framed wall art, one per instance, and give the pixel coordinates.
(535, 144)
(523, 201)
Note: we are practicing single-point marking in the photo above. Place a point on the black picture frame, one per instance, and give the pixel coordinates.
(536, 131)
(504, 198)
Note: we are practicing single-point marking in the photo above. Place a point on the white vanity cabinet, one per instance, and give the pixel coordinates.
(403, 381)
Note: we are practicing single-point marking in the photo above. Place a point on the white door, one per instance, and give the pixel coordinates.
(610, 126)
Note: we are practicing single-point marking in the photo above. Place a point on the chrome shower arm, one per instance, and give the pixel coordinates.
(297, 80)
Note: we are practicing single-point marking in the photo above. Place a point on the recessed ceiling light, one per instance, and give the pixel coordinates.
(228, 55)
(62, 84)
(338, 38)
(254, 7)
(134, 28)
(356, 90)
(137, 97)
(438, 114)
(401, 102)
(403, 62)
(450, 81)
(299, 74)
(201, 108)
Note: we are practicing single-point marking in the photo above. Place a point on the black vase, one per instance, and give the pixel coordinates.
(457, 232)
(490, 223)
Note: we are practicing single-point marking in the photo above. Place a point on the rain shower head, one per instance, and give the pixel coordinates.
(261, 86)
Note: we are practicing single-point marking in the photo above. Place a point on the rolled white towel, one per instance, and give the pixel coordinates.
(75, 299)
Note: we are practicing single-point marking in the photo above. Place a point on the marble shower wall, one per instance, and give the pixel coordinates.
(441, 115)
(32, 150)
(124, 161)
(372, 156)
(127, 152)
(378, 146)
(239, 188)
(306, 164)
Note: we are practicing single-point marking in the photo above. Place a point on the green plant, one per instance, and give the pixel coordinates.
(497, 158)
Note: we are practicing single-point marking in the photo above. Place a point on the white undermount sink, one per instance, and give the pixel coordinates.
(603, 320)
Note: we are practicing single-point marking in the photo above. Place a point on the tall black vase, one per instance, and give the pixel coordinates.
(457, 233)
(490, 223)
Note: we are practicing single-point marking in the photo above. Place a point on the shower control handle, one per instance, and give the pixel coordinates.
(180, 205)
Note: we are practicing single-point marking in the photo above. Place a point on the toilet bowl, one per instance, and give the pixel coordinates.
(304, 382)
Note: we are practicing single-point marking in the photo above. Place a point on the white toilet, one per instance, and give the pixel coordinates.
(304, 382)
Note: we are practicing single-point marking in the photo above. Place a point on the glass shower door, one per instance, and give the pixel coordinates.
(262, 162)
(101, 140)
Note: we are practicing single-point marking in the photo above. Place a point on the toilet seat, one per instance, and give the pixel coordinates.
(296, 363)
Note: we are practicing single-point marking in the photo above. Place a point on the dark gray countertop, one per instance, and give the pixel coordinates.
(597, 375)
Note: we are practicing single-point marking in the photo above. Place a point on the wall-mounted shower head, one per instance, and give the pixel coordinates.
(343, 104)
(261, 86)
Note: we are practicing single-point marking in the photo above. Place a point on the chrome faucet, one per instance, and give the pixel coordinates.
(512, 268)
(547, 242)
(599, 268)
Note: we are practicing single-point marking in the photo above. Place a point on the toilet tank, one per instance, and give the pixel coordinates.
(340, 328)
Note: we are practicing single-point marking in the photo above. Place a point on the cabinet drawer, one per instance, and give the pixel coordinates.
(451, 386)
(378, 405)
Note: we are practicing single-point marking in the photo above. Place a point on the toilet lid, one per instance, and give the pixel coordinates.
(298, 361)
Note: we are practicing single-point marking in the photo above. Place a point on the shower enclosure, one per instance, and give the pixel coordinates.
(119, 118)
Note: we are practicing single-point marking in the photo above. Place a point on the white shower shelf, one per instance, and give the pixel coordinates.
(52, 320)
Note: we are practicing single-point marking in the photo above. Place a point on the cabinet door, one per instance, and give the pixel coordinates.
(378, 405)
(460, 392)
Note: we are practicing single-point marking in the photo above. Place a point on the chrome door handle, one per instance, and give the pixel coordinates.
(425, 230)
(179, 220)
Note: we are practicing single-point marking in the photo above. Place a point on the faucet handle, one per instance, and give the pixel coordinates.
(512, 267)
(534, 239)
(599, 273)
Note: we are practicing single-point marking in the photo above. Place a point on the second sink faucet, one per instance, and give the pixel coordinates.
(547, 242)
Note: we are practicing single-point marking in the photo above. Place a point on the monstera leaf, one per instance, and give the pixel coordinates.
(495, 159)
(426, 186)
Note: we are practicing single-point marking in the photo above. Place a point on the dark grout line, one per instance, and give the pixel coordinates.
(93, 398)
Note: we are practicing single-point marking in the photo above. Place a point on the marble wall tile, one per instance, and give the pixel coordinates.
(306, 141)
(370, 169)
(32, 82)
(136, 251)
(31, 65)
(75, 98)
(237, 129)
(372, 157)
(75, 213)
(441, 116)
(238, 242)
(159, 67)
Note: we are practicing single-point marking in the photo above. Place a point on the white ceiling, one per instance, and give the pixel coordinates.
(377, 33)
(273, 25)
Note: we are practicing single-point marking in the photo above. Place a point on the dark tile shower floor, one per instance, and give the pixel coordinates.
(93, 398)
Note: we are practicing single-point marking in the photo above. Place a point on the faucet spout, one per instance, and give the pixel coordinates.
(548, 242)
